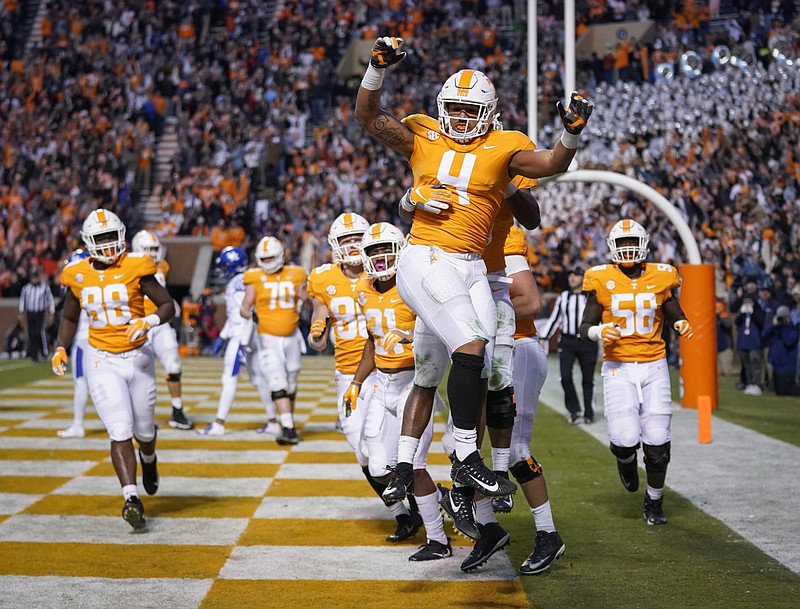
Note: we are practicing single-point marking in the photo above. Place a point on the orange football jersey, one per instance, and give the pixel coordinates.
(385, 312)
(494, 254)
(516, 245)
(635, 305)
(277, 297)
(111, 298)
(162, 270)
(477, 172)
(328, 284)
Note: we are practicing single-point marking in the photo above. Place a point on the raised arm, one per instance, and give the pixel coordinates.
(374, 119)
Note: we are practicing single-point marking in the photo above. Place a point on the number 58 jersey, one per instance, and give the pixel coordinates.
(111, 298)
(635, 305)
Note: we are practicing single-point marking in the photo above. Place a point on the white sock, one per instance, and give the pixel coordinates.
(655, 493)
(432, 517)
(466, 442)
(81, 396)
(543, 517)
(406, 449)
(226, 396)
(147, 458)
(177, 403)
(398, 509)
(286, 419)
(130, 490)
(484, 514)
(500, 459)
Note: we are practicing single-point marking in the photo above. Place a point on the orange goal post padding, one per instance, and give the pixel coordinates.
(699, 354)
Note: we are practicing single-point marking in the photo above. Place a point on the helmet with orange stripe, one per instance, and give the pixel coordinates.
(380, 248)
(627, 243)
(344, 237)
(467, 105)
(104, 235)
(147, 242)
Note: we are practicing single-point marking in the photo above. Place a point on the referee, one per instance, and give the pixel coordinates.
(35, 302)
(567, 314)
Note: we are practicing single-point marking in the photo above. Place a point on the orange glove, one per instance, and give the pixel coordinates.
(318, 328)
(138, 327)
(351, 397)
(683, 328)
(606, 332)
(433, 199)
(387, 51)
(395, 336)
(59, 361)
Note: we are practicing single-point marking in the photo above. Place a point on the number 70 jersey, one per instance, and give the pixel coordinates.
(635, 305)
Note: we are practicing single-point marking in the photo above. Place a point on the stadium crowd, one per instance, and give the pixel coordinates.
(268, 145)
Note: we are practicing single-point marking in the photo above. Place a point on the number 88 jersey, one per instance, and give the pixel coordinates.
(635, 305)
(111, 298)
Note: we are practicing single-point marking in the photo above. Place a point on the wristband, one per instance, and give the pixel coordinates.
(153, 320)
(570, 140)
(356, 383)
(373, 78)
(510, 190)
(595, 332)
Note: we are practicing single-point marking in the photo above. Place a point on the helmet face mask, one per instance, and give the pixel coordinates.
(103, 233)
(380, 249)
(147, 242)
(627, 243)
(345, 237)
(467, 105)
(269, 255)
(230, 262)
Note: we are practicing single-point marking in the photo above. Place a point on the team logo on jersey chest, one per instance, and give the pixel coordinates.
(331, 290)
(610, 285)
(433, 135)
(79, 277)
(362, 299)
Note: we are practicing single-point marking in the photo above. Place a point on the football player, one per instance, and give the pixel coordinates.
(390, 324)
(111, 286)
(441, 274)
(626, 306)
(275, 290)
(77, 354)
(241, 349)
(163, 339)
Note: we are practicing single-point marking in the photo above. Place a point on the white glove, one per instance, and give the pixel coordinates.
(432, 199)
(606, 332)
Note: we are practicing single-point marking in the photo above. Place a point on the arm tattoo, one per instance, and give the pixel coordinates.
(391, 136)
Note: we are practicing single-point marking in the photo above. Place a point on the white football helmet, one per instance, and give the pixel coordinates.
(147, 242)
(382, 265)
(269, 254)
(627, 242)
(344, 228)
(469, 87)
(104, 235)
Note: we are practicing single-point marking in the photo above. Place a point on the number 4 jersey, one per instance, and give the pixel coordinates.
(111, 298)
(635, 305)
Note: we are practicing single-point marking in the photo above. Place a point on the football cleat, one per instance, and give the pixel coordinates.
(271, 427)
(400, 485)
(629, 475)
(459, 507)
(493, 538)
(149, 475)
(213, 429)
(546, 549)
(288, 436)
(407, 526)
(179, 420)
(73, 431)
(654, 510)
(476, 475)
(133, 512)
(502, 505)
(432, 550)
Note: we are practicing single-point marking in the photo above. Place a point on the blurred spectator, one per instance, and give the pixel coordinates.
(783, 335)
(37, 308)
(749, 328)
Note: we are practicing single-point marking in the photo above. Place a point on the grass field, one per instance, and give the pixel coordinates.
(19, 371)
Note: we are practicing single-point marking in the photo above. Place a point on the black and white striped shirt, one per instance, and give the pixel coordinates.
(36, 298)
(567, 314)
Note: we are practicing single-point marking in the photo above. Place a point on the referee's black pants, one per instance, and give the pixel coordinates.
(571, 348)
(37, 341)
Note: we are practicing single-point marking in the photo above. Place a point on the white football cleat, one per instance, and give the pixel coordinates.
(73, 431)
(214, 429)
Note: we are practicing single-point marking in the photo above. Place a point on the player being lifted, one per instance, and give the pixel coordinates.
(275, 290)
(626, 306)
(241, 349)
(111, 287)
(390, 324)
(441, 275)
(163, 339)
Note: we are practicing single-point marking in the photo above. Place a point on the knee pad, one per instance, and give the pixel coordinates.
(527, 470)
(656, 458)
(292, 396)
(174, 377)
(501, 409)
(276, 395)
(623, 452)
